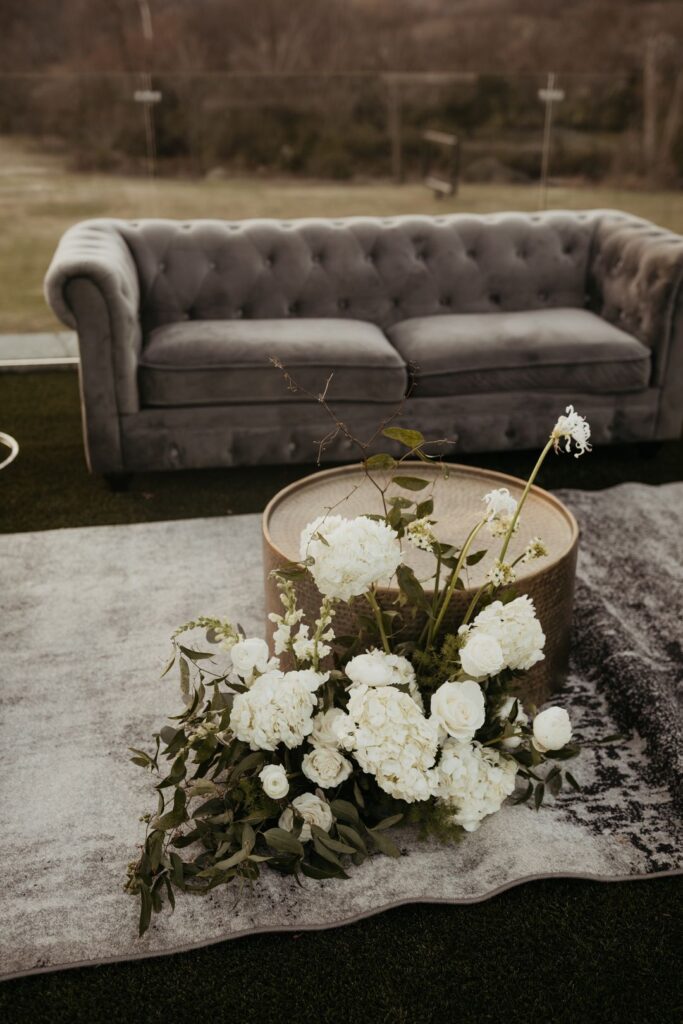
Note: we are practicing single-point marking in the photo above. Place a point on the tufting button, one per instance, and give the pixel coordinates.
(510, 433)
(174, 453)
(396, 303)
(494, 297)
(543, 296)
(343, 303)
(269, 261)
(162, 267)
(446, 300)
(291, 447)
(472, 254)
(212, 265)
(293, 307)
(239, 313)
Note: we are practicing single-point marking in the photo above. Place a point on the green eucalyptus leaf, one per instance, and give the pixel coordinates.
(380, 461)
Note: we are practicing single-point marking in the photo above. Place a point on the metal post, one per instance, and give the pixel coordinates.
(148, 108)
(549, 96)
(395, 129)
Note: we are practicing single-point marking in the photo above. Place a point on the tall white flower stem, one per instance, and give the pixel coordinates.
(372, 600)
(435, 626)
(525, 493)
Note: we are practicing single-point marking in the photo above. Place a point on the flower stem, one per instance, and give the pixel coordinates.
(525, 493)
(448, 592)
(380, 623)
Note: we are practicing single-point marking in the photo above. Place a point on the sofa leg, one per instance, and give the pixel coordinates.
(118, 482)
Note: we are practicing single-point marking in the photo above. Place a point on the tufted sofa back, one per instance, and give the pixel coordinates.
(379, 270)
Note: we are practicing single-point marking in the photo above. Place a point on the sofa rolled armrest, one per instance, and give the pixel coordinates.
(635, 281)
(106, 315)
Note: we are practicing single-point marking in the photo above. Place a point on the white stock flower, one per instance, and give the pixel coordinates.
(391, 739)
(481, 656)
(251, 656)
(501, 574)
(277, 709)
(324, 733)
(459, 709)
(571, 428)
(500, 510)
(420, 534)
(474, 781)
(354, 554)
(313, 810)
(536, 548)
(521, 718)
(552, 729)
(515, 627)
(326, 767)
(376, 668)
(274, 781)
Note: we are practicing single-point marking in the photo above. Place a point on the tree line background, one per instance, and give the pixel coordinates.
(317, 87)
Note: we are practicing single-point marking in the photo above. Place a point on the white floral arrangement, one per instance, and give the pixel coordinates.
(303, 759)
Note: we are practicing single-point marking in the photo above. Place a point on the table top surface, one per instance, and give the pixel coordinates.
(457, 492)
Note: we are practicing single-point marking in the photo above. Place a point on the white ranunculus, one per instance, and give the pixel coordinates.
(376, 668)
(355, 554)
(324, 733)
(251, 656)
(391, 739)
(521, 718)
(274, 781)
(474, 781)
(459, 709)
(326, 767)
(552, 729)
(516, 629)
(313, 810)
(481, 656)
(572, 427)
(277, 709)
(500, 510)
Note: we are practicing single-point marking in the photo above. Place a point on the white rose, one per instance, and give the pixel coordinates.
(516, 629)
(354, 554)
(274, 781)
(521, 718)
(324, 733)
(552, 729)
(250, 656)
(326, 767)
(482, 655)
(459, 709)
(313, 810)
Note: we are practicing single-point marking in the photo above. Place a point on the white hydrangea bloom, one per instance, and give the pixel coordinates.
(277, 709)
(420, 534)
(501, 574)
(474, 781)
(326, 767)
(535, 549)
(521, 718)
(500, 510)
(313, 810)
(391, 739)
(516, 629)
(571, 428)
(354, 554)
(376, 668)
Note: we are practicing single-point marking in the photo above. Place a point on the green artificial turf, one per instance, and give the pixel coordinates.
(49, 485)
(543, 953)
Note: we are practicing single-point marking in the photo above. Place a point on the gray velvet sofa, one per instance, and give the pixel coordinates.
(492, 325)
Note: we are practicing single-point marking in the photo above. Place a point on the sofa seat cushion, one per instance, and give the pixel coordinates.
(217, 362)
(545, 350)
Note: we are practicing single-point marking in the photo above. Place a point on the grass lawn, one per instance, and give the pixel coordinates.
(548, 952)
(40, 198)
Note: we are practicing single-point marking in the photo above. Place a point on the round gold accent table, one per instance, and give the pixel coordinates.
(457, 493)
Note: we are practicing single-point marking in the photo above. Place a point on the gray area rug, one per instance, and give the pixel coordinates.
(86, 615)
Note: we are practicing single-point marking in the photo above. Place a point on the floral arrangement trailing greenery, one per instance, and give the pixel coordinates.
(304, 760)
